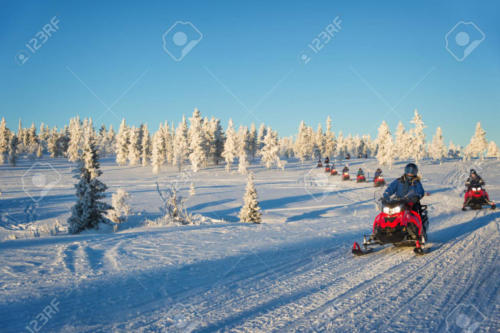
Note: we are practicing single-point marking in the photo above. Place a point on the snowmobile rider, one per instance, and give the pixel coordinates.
(360, 172)
(475, 180)
(345, 170)
(407, 187)
(378, 173)
(327, 161)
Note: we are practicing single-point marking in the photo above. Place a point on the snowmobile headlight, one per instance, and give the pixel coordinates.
(386, 210)
(396, 210)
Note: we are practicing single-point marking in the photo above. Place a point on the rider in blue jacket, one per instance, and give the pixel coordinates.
(407, 186)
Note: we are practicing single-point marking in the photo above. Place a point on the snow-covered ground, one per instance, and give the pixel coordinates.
(293, 272)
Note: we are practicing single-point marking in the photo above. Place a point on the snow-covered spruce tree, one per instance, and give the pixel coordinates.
(230, 146)
(217, 145)
(478, 144)
(4, 141)
(134, 149)
(385, 152)
(341, 149)
(418, 138)
(75, 135)
(242, 161)
(319, 142)
(89, 210)
(157, 151)
(330, 141)
(181, 145)
(145, 145)
(101, 141)
(286, 147)
(261, 135)
(121, 146)
(250, 212)
(168, 141)
(120, 206)
(493, 151)
(12, 151)
(52, 144)
(437, 149)
(270, 151)
(197, 155)
(401, 150)
(303, 147)
(253, 141)
(368, 145)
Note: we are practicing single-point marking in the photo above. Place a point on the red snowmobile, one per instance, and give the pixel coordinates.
(397, 224)
(476, 198)
(360, 179)
(327, 168)
(345, 175)
(333, 172)
(378, 181)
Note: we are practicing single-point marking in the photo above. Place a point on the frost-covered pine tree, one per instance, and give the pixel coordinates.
(250, 212)
(52, 146)
(303, 147)
(493, 150)
(270, 151)
(385, 145)
(89, 210)
(319, 142)
(401, 151)
(4, 141)
(134, 148)
(181, 144)
(417, 146)
(75, 135)
(168, 141)
(330, 141)
(121, 146)
(478, 144)
(197, 140)
(242, 161)
(12, 151)
(145, 145)
(157, 151)
(253, 141)
(217, 146)
(230, 146)
(341, 149)
(120, 206)
(437, 149)
(261, 135)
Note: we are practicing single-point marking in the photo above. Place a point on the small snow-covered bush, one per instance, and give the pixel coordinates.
(121, 208)
(172, 209)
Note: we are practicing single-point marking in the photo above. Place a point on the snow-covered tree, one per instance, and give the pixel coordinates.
(242, 161)
(437, 149)
(181, 144)
(493, 150)
(385, 145)
(341, 148)
(261, 135)
(401, 147)
(303, 147)
(215, 141)
(122, 143)
(330, 140)
(230, 146)
(75, 135)
(4, 141)
(197, 140)
(120, 206)
(89, 210)
(134, 148)
(168, 142)
(250, 212)
(478, 144)
(417, 146)
(12, 150)
(270, 150)
(157, 151)
(145, 145)
(319, 142)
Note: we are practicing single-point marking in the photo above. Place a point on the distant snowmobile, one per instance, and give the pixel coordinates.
(378, 179)
(345, 174)
(399, 224)
(476, 198)
(360, 177)
(320, 165)
(333, 171)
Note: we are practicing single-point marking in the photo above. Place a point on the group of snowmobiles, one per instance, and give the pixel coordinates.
(403, 220)
(378, 179)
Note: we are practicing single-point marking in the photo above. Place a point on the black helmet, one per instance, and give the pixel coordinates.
(411, 168)
(472, 171)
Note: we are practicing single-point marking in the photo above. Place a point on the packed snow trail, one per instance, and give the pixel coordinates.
(294, 272)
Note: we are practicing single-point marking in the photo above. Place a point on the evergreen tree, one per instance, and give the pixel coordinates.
(253, 141)
(493, 150)
(197, 155)
(417, 145)
(250, 212)
(89, 210)
(181, 144)
(75, 138)
(4, 141)
(145, 145)
(12, 151)
(437, 149)
(157, 151)
(330, 141)
(270, 151)
(478, 144)
(385, 145)
(122, 143)
(134, 149)
(230, 146)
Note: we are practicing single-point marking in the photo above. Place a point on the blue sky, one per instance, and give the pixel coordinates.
(386, 60)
